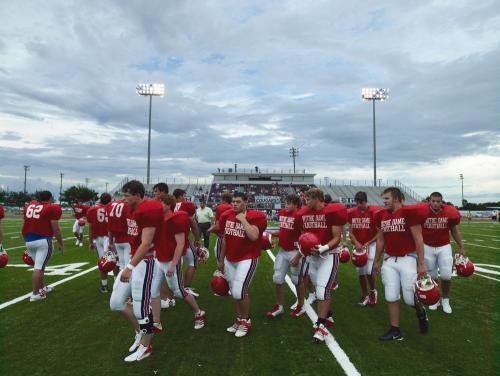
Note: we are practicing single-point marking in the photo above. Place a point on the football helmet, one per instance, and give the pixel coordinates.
(4, 259)
(27, 259)
(107, 262)
(266, 241)
(359, 257)
(427, 290)
(81, 222)
(203, 254)
(463, 265)
(219, 284)
(344, 255)
(307, 241)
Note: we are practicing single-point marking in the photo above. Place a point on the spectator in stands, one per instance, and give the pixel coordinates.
(204, 216)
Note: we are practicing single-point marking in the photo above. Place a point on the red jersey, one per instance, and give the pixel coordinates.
(79, 211)
(175, 223)
(396, 225)
(289, 233)
(238, 246)
(221, 208)
(320, 222)
(361, 223)
(149, 213)
(116, 212)
(37, 218)
(437, 226)
(96, 216)
(186, 206)
(2, 213)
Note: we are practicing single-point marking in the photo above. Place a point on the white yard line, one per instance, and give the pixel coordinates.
(482, 246)
(473, 233)
(485, 276)
(26, 296)
(332, 345)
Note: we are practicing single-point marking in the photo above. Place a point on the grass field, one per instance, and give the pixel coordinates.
(74, 332)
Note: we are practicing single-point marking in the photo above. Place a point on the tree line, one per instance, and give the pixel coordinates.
(70, 195)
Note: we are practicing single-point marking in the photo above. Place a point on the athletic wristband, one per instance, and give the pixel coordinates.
(130, 266)
(323, 248)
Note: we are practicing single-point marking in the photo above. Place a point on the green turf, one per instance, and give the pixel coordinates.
(74, 332)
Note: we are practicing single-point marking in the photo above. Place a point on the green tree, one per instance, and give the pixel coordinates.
(78, 193)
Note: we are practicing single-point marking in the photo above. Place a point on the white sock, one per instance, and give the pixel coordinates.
(104, 282)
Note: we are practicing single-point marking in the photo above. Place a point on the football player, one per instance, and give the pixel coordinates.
(399, 232)
(144, 222)
(2, 215)
(288, 257)
(98, 234)
(116, 212)
(326, 223)
(41, 223)
(80, 213)
(191, 256)
(226, 204)
(239, 256)
(173, 244)
(363, 234)
(440, 220)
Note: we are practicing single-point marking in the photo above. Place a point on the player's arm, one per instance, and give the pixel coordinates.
(180, 242)
(194, 228)
(354, 240)
(416, 232)
(343, 237)
(252, 231)
(215, 226)
(147, 236)
(222, 255)
(378, 251)
(91, 237)
(337, 234)
(458, 239)
(54, 223)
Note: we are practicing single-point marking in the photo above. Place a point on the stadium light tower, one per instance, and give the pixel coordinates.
(294, 152)
(374, 94)
(150, 90)
(462, 179)
(26, 168)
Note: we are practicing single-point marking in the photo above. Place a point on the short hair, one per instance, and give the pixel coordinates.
(315, 193)
(44, 196)
(134, 187)
(242, 195)
(395, 193)
(437, 194)
(304, 189)
(169, 200)
(178, 192)
(360, 197)
(227, 197)
(105, 198)
(293, 199)
(328, 198)
(162, 187)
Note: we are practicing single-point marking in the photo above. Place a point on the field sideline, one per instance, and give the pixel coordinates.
(74, 332)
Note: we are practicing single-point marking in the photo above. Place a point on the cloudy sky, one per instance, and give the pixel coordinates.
(247, 80)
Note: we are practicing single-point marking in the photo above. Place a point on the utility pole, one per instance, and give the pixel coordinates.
(60, 188)
(26, 168)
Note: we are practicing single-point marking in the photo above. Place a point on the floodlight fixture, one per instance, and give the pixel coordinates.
(150, 90)
(374, 94)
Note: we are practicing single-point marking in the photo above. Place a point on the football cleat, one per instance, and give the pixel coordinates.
(47, 289)
(103, 289)
(364, 300)
(141, 353)
(434, 307)
(275, 311)
(463, 265)
(373, 298)
(423, 320)
(27, 259)
(219, 284)
(137, 342)
(294, 305)
(359, 257)
(393, 334)
(157, 327)
(233, 328)
(243, 328)
(77, 242)
(426, 290)
(80, 245)
(167, 303)
(307, 242)
(37, 297)
(191, 291)
(445, 302)
(320, 333)
(298, 311)
(199, 320)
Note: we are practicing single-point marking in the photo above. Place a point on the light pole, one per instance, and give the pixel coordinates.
(374, 94)
(150, 90)
(462, 179)
(26, 168)
(60, 188)
(294, 152)
(107, 187)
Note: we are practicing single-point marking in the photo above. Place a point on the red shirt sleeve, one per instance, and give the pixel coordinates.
(56, 212)
(337, 215)
(2, 213)
(377, 219)
(180, 224)
(454, 217)
(151, 217)
(299, 223)
(260, 221)
(91, 218)
(415, 214)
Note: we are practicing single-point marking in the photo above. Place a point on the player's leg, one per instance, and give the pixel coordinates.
(431, 264)
(445, 265)
(408, 272)
(229, 273)
(101, 246)
(245, 271)
(191, 260)
(297, 276)
(363, 283)
(155, 295)
(373, 295)
(392, 286)
(281, 264)
(40, 251)
(76, 228)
